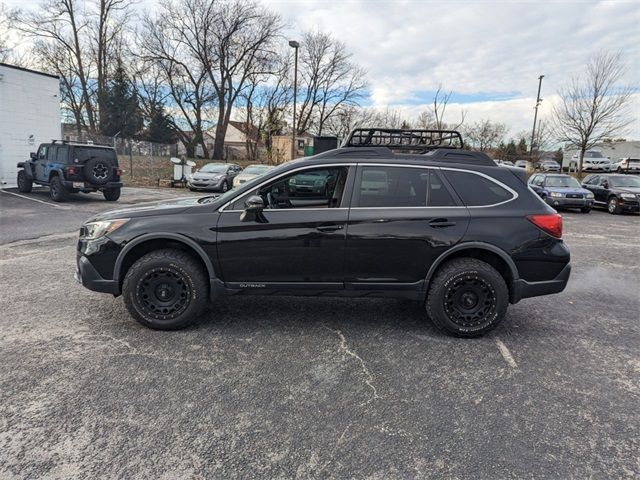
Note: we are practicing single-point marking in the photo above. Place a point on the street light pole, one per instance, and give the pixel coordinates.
(295, 45)
(535, 115)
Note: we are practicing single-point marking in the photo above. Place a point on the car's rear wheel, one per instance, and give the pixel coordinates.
(24, 184)
(57, 191)
(165, 289)
(613, 206)
(467, 298)
(111, 194)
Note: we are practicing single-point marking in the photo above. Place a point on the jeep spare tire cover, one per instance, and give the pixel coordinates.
(98, 170)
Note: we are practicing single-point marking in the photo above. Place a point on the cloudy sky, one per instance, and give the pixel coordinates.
(489, 54)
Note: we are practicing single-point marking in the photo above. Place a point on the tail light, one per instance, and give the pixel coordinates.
(72, 170)
(118, 172)
(550, 223)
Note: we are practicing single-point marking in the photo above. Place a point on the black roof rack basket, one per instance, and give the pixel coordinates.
(405, 140)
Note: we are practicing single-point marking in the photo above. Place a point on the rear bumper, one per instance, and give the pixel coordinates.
(89, 278)
(68, 184)
(523, 289)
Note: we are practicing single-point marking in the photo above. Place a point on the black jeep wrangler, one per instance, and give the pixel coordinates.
(433, 223)
(67, 167)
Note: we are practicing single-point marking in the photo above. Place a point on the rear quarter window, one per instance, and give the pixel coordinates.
(476, 190)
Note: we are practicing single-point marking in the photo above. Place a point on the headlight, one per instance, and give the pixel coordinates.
(93, 230)
(556, 194)
(628, 196)
(589, 195)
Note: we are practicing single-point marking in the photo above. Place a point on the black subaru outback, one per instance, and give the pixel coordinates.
(409, 214)
(67, 167)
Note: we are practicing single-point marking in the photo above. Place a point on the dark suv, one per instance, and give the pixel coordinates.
(67, 167)
(618, 193)
(433, 223)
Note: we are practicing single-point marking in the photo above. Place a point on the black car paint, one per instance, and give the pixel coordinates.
(339, 251)
(604, 189)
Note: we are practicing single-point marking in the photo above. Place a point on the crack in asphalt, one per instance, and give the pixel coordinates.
(369, 378)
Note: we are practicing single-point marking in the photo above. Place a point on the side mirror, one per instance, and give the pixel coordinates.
(253, 210)
(33, 156)
(254, 203)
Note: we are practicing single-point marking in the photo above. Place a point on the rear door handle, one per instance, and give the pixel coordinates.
(441, 223)
(329, 228)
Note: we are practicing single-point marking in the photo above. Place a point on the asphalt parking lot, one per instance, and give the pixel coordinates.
(313, 388)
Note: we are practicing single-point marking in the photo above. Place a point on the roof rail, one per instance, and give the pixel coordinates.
(404, 139)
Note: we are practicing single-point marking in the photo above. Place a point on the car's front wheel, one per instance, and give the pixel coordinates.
(613, 206)
(467, 298)
(585, 209)
(165, 289)
(24, 184)
(225, 186)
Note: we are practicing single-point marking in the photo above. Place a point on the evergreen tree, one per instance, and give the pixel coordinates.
(159, 128)
(522, 148)
(511, 151)
(122, 113)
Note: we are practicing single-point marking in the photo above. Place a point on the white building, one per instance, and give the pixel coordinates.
(613, 150)
(29, 115)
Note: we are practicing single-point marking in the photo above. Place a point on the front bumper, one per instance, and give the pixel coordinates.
(205, 185)
(632, 206)
(564, 202)
(523, 289)
(89, 278)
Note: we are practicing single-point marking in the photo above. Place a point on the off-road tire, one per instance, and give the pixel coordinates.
(57, 191)
(450, 284)
(98, 171)
(160, 270)
(24, 184)
(585, 209)
(613, 207)
(111, 194)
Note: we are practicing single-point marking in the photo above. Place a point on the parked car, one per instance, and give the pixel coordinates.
(562, 191)
(618, 193)
(626, 165)
(504, 163)
(550, 166)
(250, 172)
(69, 167)
(593, 161)
(445, 227)
(214, 176)
(521, 164)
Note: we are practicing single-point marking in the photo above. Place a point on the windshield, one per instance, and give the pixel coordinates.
(562, 182)
(214, 168)
(633, 182)
(256, 169)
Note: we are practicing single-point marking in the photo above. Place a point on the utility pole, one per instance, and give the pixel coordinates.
(295, 45)
(535, 115)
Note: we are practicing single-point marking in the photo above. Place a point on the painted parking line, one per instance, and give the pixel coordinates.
(506, 354)
(34, 199)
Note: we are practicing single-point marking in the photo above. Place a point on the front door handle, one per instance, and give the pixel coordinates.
(329, 228)
(441, 223)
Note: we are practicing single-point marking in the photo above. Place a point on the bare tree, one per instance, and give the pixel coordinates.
(593, 106)
(170, 47)
(439, 107)
(329, 81)
(239, 47)
(485, 134)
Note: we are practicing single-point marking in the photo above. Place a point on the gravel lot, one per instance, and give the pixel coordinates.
(313, 388)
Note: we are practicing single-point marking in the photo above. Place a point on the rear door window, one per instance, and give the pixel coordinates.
(397, 187)
(476, 190)
(61, 156)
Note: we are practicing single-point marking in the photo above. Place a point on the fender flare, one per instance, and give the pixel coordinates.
(55, 171)
(162, 236)
(27, 168)
(468, 246)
